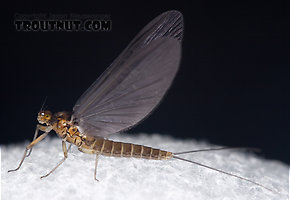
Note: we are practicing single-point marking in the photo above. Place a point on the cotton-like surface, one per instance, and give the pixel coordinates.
(131, 178)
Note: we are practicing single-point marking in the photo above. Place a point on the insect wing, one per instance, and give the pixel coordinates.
(168, 24)
(136, 81)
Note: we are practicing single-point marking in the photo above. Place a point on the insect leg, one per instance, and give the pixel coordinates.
(38, 127)
(64, 149)
(96, 164)
(35, 135)
(34, 142)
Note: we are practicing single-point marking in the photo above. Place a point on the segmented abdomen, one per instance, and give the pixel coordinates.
(120, 149)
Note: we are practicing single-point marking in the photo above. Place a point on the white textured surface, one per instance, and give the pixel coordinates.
(129, 178)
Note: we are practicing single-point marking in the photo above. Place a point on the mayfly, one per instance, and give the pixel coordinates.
(121, 97)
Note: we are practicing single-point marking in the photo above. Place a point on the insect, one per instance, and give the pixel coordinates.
(121, 97)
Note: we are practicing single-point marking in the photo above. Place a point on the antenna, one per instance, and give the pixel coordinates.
(43, 103)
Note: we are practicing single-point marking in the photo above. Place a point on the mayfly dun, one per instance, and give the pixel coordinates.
(121, 97)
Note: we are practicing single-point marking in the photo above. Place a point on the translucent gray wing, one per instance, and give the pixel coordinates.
(136, 81)
(168, 24)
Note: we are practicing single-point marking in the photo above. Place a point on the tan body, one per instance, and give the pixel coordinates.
(97, 145)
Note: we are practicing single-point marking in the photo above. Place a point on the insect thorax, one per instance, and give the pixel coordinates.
(65, 129)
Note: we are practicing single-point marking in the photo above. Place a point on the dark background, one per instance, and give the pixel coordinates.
(232, 88)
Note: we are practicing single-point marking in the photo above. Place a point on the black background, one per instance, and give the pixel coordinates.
(232, 88)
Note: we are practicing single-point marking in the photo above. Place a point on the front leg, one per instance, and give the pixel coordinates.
(38, 127)
(32, 144)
